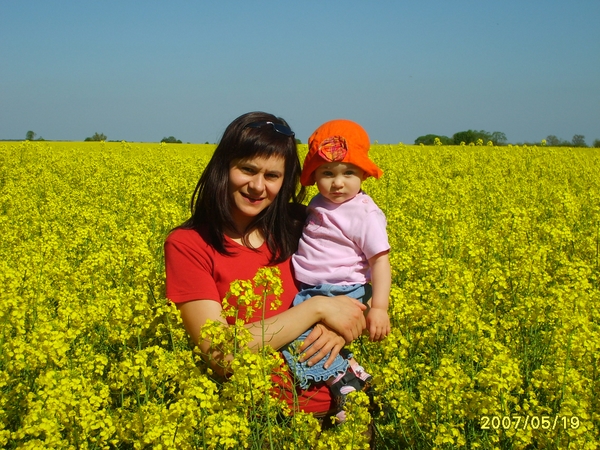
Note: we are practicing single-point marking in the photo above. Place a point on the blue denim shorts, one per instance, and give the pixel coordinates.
(304, 374)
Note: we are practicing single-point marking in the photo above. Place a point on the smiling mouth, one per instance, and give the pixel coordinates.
(252, 199)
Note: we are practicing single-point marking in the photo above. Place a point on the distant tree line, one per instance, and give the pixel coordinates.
(102, 137)
(30, 136)
(497, 138)
(170, 140)
(577, 141)
(468, 137)
(97, 137)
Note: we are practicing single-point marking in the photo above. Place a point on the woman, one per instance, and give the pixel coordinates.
(247, 214)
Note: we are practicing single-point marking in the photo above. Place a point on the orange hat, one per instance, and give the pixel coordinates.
(338, 141)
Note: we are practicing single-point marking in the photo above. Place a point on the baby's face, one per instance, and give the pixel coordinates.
(339, 181)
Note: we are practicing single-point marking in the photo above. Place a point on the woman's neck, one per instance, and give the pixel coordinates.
(254, 238)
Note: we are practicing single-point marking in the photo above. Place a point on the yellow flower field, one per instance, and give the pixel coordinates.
(495, 306)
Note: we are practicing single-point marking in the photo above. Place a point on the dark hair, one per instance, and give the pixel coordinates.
(281, 222)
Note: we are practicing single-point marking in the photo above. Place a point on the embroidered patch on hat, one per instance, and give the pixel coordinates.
(333, 149)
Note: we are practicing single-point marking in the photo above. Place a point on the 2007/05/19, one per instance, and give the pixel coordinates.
(532, 422)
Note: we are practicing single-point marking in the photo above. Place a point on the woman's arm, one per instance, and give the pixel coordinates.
(342, 314)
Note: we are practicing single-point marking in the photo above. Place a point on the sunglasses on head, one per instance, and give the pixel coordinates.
(282, 129)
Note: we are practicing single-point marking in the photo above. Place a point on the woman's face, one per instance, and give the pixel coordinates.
(253, 185)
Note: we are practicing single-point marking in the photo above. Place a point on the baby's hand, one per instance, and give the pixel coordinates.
(378, 324)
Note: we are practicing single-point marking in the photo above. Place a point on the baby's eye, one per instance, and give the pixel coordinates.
(349, 172)
(327, 173)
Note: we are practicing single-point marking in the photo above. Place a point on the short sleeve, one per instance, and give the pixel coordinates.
(373, 238)
(188, 268)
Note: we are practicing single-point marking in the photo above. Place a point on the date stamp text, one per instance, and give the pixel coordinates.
(529, 422)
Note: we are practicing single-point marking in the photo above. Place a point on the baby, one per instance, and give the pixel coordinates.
(343, 250)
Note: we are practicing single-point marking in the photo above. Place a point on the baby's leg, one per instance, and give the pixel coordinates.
(359, 371)
(340, 387)
(355, 379)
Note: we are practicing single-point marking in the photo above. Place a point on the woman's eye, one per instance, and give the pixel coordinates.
(246, 169)
(272, 176)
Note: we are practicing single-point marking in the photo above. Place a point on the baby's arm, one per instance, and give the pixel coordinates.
(378, 321)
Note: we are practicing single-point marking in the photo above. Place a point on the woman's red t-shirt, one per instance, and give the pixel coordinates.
(196, 271)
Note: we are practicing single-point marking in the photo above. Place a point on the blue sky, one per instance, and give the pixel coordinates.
(144, 70)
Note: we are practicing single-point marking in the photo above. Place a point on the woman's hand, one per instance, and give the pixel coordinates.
(321, 341)
(342, 314)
